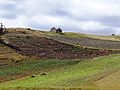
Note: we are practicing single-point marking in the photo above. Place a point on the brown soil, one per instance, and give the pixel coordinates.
(47, 48)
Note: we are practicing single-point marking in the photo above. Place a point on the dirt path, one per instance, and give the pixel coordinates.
(110, 81)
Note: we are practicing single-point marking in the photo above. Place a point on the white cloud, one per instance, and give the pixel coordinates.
(92, 26)
(94, 8)
(19, 22)
(90, 16)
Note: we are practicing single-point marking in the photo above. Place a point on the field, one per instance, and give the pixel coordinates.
(32, 59)
(8, 56)
(47, 48)
(26, 68)
(82, 73)
(89, 42)
(81, 35)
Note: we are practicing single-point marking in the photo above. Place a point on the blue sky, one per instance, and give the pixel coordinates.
(86, 16)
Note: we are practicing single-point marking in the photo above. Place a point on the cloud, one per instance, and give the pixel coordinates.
(10, 9)
(88, 16)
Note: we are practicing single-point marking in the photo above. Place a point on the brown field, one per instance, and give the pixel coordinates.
(44, 47)
(25, 52)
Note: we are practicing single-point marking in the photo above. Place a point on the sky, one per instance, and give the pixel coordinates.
(85, 16)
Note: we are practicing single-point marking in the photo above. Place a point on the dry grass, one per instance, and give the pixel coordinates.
(24, 31)
(112, 80)
(8, 55)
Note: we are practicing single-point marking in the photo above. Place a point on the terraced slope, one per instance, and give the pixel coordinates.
(8, 55)
(44, 47)
(66, 57)
(40, 44)
(89, 42)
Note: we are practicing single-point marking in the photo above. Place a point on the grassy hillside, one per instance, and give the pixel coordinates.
(81, 35)
(32, 66)
(38, 59)
(67, 34)
(83, 73)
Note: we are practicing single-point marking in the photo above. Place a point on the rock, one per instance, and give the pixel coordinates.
(32, 76)
(42, 74)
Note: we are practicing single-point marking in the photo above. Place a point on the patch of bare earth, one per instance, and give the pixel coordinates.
(44, 47)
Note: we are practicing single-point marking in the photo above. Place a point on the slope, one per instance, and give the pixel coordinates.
(35, 43)
(112, 81)
(8, 56)
(78, 75)
(41, 55)
(80, 35)
(88, 41)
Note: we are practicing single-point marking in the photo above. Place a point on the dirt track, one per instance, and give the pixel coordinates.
(112, 80)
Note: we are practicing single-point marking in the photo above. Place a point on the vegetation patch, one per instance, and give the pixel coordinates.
(71, 76)
(30, 67)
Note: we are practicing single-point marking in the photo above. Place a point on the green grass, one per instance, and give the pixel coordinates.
(33, 66)
(81, 35)
(102, 37)
(74, 35)
(75, 75)
(67, 34)
(48, 33)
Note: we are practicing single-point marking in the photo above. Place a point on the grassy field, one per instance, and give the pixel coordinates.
(68, 34)
(81, 35)
(26, 68)
(102, 37)
(77, 75)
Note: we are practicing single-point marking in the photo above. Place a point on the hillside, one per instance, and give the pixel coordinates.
(43, 46)
(8, 55)
(76, 59)
(84, 73)
(93, 41)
